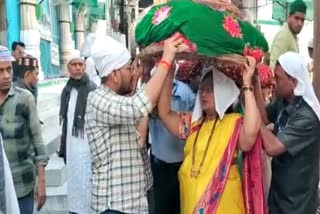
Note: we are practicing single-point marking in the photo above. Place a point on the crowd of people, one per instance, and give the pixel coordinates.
(135, 139)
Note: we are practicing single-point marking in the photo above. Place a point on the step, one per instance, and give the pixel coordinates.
(56, 200)
(51, 130)
(48, 108)
(56, 172)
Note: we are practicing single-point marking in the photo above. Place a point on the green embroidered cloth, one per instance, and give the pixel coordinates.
(214, 32)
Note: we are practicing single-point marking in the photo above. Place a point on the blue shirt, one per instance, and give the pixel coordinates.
(165, 146)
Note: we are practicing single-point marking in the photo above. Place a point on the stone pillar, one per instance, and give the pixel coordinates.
(66, 42)
(108, 16)
(3, 24)
(79, 27)
(132, 43)
(29, 33)
(251, 13)
(12, 8)
(129, 21)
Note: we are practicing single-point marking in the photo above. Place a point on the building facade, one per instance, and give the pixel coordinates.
(50, 29)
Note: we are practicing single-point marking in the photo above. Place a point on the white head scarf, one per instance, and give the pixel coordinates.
(225, 94)
(295, 66)
(108, 54)
(75, 54)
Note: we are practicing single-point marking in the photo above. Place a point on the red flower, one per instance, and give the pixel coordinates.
(232, 26)
(266, 75)
(257, 53)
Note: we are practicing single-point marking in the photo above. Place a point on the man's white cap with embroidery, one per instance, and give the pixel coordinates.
(5, 55)
(75, 54)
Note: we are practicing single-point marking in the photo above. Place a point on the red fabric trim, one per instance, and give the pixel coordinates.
(252, 180)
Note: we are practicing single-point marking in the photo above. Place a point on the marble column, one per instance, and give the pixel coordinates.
(108, 16)
(29, 33)
(93, 26)
(3, 24)
(132, 25)
(80, 27)
(12, 8)
(251, 13)
(66, 42)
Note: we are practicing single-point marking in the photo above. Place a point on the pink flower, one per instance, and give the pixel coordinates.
(231, 25)
(161, 14)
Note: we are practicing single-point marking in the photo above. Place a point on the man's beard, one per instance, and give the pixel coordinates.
(124, 89)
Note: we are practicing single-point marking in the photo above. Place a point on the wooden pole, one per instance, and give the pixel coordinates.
(316, 49)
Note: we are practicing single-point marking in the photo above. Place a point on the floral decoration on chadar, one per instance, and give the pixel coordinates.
(232, 26)
(160, 15)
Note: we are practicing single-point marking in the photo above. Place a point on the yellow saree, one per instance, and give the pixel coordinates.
(192, 188)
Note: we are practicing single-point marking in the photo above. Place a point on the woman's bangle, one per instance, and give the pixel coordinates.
(165, 63)
(245, 88)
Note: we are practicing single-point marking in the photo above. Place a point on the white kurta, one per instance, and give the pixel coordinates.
(11, 198)
(78, 165)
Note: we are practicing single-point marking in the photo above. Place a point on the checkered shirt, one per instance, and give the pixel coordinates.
(21, 132)
(121, 172)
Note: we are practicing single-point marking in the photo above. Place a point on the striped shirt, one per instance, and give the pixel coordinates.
(121, 173)
(21, 131)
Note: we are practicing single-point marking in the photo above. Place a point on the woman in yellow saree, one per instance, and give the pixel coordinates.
(209, 177)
